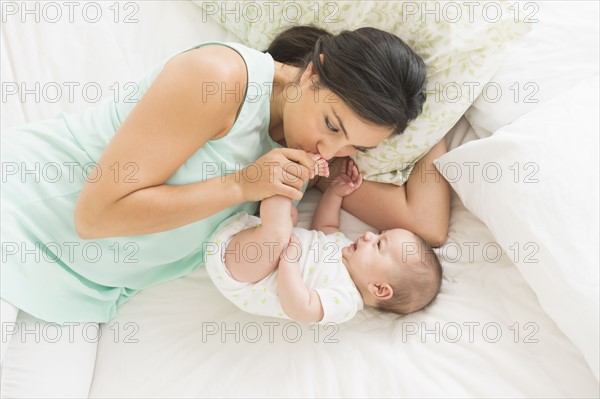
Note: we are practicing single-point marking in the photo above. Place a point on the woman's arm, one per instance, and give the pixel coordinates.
(171, 122)
(422, 205)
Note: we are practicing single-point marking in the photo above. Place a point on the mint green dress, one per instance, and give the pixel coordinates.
(51, 273)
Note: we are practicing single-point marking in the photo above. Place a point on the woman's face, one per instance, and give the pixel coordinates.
(318, 121)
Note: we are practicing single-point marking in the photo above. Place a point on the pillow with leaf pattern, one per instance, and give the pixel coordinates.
(461, 43)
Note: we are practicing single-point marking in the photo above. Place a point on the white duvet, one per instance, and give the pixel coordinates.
(486, 334)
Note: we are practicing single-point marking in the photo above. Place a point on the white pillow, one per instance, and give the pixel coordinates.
(461, 44)
(545, 217)
(561, 50)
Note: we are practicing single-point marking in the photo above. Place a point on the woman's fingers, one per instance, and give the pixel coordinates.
(299, 163)
(302, 157)
(293, 174)
(303, 165)
(282, 171)
(271, 174)
(289, 192)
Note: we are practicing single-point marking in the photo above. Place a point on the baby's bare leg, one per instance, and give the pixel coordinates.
(294, 214)
(254, 253)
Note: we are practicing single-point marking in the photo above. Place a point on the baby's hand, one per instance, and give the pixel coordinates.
(347, 181)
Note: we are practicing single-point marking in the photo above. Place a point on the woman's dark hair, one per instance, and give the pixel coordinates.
(378, 75)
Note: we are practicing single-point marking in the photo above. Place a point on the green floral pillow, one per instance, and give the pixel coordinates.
(461, 44)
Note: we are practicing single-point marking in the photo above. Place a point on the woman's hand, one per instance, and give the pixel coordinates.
(347, 181)
(281, 171)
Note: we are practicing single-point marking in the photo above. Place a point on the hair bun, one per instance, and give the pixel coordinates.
(415, 105)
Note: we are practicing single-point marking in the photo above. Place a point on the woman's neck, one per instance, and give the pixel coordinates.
(284, 74)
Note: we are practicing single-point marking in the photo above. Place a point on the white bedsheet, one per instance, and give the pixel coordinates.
(179, 339)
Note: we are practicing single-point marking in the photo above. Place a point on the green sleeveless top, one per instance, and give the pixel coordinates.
(47, 270)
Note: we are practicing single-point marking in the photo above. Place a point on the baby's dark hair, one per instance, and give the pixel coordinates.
(374, 72)
(418, 284)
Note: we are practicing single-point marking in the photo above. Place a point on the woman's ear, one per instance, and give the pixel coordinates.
(310, 68)
(308, 72)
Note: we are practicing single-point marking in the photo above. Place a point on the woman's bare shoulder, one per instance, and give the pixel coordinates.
(184, 107)
(218, 74)
(222, 59)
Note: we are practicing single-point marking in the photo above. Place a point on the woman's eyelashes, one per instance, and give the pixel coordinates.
(333, 129)
(330, 126)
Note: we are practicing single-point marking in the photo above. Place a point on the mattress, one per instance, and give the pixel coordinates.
(485, 335)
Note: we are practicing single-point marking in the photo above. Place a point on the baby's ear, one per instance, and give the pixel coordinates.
(381, 291)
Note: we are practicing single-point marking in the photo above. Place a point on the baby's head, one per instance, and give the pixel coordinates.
(395, 271)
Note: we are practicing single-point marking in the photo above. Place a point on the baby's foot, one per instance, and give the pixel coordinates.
(322, 167)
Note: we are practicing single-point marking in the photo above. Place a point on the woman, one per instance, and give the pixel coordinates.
(218, 128)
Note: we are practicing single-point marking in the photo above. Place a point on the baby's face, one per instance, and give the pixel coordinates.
(374, 258)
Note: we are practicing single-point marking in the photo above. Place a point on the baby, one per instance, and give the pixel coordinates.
(269, 267)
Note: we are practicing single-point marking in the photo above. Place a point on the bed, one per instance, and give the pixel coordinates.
(492, 332)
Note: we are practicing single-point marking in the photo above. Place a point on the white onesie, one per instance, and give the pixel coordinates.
(320, 263)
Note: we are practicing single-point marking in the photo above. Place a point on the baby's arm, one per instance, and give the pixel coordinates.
(297, 301)
(327, 214)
